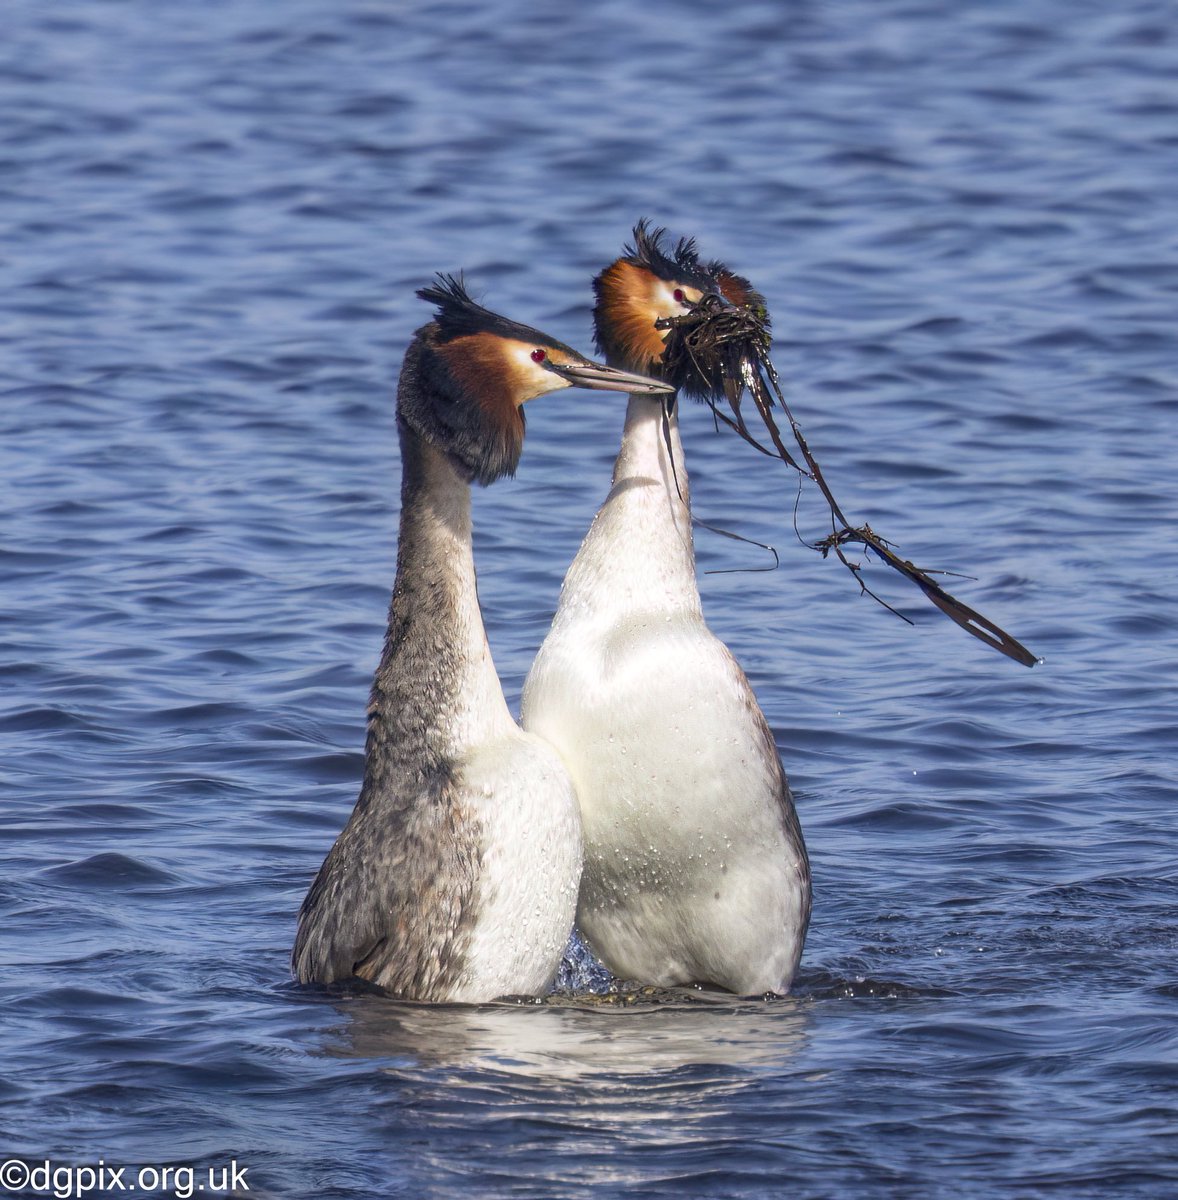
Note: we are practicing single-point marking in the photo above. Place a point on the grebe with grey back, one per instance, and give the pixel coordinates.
(455, 878)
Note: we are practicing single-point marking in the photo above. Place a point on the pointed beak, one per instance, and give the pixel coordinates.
(707, 305)
(715, 301)
(609, 379)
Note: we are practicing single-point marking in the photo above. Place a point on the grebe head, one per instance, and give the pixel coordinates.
(470, 371)
(652, 284)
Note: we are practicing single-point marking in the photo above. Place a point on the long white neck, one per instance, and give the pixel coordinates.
(638, 554)
(651, 449)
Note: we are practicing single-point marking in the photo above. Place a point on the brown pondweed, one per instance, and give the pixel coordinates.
(722, 350)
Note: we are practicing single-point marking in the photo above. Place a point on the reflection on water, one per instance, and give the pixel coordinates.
(540, 1100)
(562, 1039)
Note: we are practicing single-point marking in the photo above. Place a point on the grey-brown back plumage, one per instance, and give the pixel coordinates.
(396, 899)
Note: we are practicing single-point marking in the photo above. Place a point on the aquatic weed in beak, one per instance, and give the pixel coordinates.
(721, 350)
(706, 348)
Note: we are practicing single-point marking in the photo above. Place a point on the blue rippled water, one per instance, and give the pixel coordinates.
(962, 216)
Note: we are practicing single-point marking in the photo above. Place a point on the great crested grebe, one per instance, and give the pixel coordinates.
(455, 878)
(695, 867)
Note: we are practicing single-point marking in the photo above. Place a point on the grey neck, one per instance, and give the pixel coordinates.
(435, 683)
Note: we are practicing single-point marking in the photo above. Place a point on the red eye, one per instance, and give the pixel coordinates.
(539, 355)
(680, 295)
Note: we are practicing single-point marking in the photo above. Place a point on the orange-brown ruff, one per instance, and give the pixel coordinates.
(737, 290)
(480, 369)
(627, 294)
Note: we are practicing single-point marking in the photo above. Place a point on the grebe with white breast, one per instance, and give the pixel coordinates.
(695, 867)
